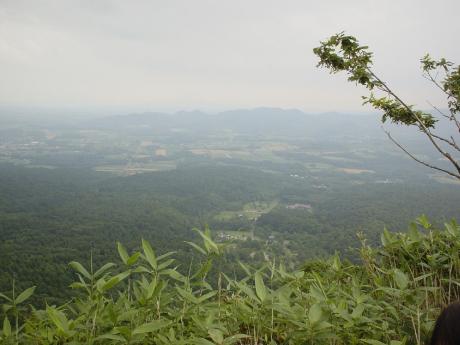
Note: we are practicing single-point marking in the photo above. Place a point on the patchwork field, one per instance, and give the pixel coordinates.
(251, 211)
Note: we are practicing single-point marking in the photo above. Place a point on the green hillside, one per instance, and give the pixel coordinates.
(51, 217)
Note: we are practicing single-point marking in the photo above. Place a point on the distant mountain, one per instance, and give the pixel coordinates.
(258, 121)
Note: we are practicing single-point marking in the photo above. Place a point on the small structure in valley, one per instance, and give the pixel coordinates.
(299, 207)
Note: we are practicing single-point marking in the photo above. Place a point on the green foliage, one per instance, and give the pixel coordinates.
(50, 231)
(451, 82)
(343, 53)
(391, 298)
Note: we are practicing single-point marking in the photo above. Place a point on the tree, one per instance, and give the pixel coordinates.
(343, 53)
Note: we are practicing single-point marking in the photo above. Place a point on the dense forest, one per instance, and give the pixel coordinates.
(54, 216)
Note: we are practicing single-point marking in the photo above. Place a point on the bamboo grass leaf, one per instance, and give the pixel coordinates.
(6, 297)
(261, 290)
(114, 281)
(187, 295)
(210, 245)
(111, 336)
(23, 296)
(401, 279)
(216, 335)
(149, 254)
(151, 326)
(202, 341)
(423, 221)
(174, 274)
(123, 253)
(164, 256)
(373, 342)
(6, 327)
(206, 296)
(80, 269)
(452, 229)
(315, 313)
(247, 290)
(165, 264)
(197, 247)
(234, 339)
(103, 269)
(133, 259)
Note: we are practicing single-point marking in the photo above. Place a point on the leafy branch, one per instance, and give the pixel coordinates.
(343, 53)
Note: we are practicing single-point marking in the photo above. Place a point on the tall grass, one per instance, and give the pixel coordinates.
(391, 298)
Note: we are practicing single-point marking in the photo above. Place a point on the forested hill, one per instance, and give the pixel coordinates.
(49, 217)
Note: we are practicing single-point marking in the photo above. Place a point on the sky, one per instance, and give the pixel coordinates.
(213, 54)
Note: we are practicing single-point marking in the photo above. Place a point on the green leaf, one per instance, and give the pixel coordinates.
(111, 337)
(187, 295)
(414, 233)
(451, 229)
(78, 285)
(202, 341)
(123, 253)
(245, 268)
(234, 339)
(149, 254)
(423, 221)
(386, 237)
(174, 274)
(59, 319)
(315, 313)
(151, 326)
(6, 327)
(80, 269)
(247, 290)
(197, 247)
(316, 293)
(5, 297)
(165, 264)
(104, 268)
(7, 307)
(373, 342)
(133, 259)
(209, 244)
(206, 296)
(261, 290)
(24, 295)
(216, 335)
(164, 256)
(401, 279)
(396, 342)
(151, 288)
(115, 280)
(358, 311)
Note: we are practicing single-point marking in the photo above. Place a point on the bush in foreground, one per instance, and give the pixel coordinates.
(391, 298)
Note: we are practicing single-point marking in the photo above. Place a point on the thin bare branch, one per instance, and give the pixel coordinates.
(421, 125)
(450, 141)
(429, 77)
(439, 111)
(452, 117)
(419, 160)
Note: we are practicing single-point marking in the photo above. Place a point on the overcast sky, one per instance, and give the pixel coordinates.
(214, 54)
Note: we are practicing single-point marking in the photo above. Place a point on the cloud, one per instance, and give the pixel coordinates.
(196, 54)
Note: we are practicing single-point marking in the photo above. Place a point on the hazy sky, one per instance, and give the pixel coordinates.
(214, 54)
